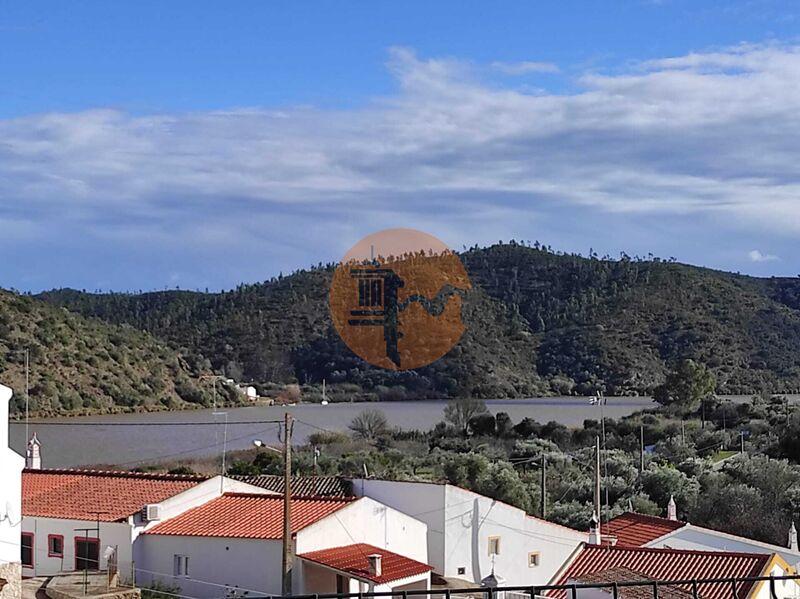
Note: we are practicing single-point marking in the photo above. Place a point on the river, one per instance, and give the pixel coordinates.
(132, 439)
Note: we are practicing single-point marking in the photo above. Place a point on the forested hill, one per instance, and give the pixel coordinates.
(80, 365)
(538, 322)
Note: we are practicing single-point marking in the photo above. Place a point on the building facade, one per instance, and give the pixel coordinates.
(11, 465)
(471, 536)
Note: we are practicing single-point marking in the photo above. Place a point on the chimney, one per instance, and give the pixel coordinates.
(33, 454)
(793, 537)
(5, 397)
(672, 509)
(594, 531)
(375, 564)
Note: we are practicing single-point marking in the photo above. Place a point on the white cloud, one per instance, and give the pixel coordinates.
(524, 68)
(707, 133)
(757, 256)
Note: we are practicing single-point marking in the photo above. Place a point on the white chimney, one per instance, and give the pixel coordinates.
(5, 397)
(33, 454)
(672, 509)
(375, 564)
(594, 531)
(793, 537)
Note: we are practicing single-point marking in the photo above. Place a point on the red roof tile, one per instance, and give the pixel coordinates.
(352, 560)
(248, 516)
(81, 494)
(670, 564)
(636, 530)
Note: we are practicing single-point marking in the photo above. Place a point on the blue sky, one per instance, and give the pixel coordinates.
(146, 145)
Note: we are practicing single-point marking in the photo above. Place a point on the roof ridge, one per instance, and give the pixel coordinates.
(648, 517)
(117, 474)
(704, 552)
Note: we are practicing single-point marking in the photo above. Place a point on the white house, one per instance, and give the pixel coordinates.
(233, 545)
(640, 530)
(79, 519)
(11, 465)
(470, 536)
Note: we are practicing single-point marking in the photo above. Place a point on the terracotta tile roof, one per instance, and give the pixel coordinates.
(308, 486)
(637, 592)
(248, 516)
(352, 560)
(80, 494)
(670, 564)
(636, 530)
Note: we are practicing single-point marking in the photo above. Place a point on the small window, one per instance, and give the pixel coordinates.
(533, 559)
(462, 571)
(55, 546)
(27, 550)
(494, 545)
(180, 565)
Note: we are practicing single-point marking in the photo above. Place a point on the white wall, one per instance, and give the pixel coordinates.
(422, 502)
(111, 534)
(230, 564)
(690, 537)
(11, 465)
(460, 523)
(367, 521)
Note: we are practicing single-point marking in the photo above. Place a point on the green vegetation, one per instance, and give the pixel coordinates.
(538, 323)
(755, 494)
(81, 365)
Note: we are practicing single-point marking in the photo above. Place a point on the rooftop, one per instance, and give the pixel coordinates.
(107, 496)
(637, 530)
(248, 516)
(668, 564)
(637, 592)
(310, 486)
(352, 560)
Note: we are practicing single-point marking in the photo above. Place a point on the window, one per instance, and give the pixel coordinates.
(180, 565)
(55, 546)
(533, 559)
(87, 553)
(27, 550)
(462, 571)
(494, 545)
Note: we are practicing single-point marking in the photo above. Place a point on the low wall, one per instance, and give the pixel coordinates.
(12, 574)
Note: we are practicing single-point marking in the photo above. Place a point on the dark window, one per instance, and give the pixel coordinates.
(27, 549)
(55, 546)
(87, 554)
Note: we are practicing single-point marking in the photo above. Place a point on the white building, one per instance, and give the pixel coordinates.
(469, 534)
(72, 518)
(11, 465)
(233, 545)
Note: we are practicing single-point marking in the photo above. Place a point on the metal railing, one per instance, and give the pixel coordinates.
(690, 586)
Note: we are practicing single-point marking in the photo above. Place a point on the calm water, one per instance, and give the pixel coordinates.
(105, 442)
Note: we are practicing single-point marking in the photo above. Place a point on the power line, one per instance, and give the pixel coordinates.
(242, 422)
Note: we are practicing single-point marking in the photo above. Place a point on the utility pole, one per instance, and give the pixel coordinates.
(597, 479)
(287, 506)
(641, 448)
(544, 486)
(741, 434)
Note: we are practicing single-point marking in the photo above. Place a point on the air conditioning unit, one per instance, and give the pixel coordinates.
(151, 512)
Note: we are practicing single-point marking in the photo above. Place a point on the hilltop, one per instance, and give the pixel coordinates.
(81, 365)
(538, 322)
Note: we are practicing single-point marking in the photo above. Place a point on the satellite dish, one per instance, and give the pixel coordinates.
(12, 514)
